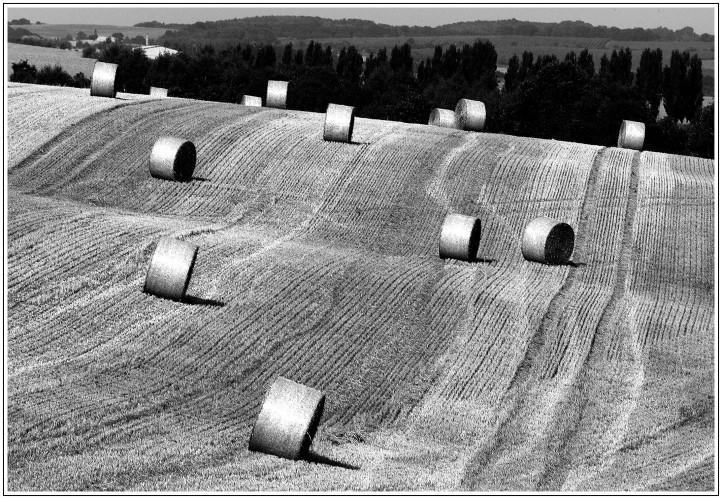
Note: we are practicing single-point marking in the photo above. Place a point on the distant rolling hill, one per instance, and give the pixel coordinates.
(62, 30)
(319, 261)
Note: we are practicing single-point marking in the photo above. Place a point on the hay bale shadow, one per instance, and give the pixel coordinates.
(314, 457)
(195, 300)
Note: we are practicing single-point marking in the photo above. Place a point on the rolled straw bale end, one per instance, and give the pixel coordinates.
(251, 101)
(442, 117)
(470, 115)
(339, 122)
(173, 158)
(170, 268)
(546, 240)
(459, 237)
(276, 94)
(631, 135)
(158, 92)
(288, 420)
(102, 84)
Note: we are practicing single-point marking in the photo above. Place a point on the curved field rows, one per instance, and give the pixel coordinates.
(318, 261)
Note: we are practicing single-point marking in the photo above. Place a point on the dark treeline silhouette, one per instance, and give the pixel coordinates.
(23, 72)
(572, 99)
(568, 100)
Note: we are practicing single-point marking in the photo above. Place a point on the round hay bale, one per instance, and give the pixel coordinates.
(631, 135)
(276, 94)
(158, 92)
(546, 240)
(288, 420)
(339, 123)
(170, 268)
(470, 115)
(442, 117)
(102, 84)
(173, 159)
(459, 237)
(251, 101)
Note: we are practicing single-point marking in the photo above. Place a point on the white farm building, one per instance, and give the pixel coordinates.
(155, 51)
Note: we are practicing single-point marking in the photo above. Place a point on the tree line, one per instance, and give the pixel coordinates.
(268, 29)
(570, 99)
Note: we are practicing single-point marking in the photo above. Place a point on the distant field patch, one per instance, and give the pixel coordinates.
(62, 30)
(70, 60)
(508, 45)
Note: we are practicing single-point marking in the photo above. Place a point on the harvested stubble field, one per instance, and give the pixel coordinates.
(318, 262)
(72, 61)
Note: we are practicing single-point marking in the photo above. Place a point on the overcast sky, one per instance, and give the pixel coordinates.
(699, 18)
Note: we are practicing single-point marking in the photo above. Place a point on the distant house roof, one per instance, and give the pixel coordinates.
(155, 51)
(100, 39)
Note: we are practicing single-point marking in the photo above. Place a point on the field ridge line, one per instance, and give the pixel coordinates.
(52, 142)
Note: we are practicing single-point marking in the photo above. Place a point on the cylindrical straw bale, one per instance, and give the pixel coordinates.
(158, 92)
(470, 115)
(251, 101)
(288, 420)
(173, 159)
(459, 237)
(631, 135)
(170, 268)
(442, 117)
(546, 240)
(102, 84)
(276, 94)
(339, 123)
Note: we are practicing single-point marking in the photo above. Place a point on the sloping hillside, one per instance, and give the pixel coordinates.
(318, 261)
(72, 61)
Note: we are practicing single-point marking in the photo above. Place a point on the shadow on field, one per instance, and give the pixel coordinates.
(314, 457)
(483, 260)
(194, 300)
(574, 264)
(200, 179)
(354, 143)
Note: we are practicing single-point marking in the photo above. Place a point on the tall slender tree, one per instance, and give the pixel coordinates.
(649, 78)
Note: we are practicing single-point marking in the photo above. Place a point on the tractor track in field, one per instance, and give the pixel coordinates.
(555, 473)
(522, 375)
(533, 361)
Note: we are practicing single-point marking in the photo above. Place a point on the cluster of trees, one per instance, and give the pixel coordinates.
(569, 99)
(21, 22)
(21, 35)
(267, 29)
(23, 72)
(69, 42)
